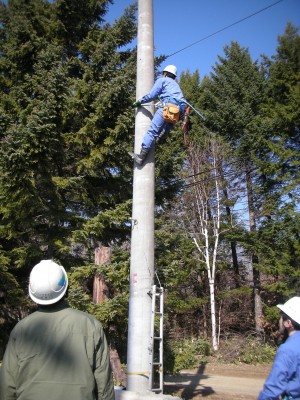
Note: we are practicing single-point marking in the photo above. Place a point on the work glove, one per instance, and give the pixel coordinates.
(136, 104)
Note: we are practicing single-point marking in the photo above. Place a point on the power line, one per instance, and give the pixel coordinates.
(226, 27)
(207, 171)
(212, 178)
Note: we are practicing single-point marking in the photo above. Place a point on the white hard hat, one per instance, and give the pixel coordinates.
(291, 308)
(48, 282)
(171, 68)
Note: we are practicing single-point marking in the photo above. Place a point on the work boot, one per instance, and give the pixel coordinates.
(139, 158)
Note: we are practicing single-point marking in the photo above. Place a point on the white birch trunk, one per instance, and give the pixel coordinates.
(214, 335)
(209, 258)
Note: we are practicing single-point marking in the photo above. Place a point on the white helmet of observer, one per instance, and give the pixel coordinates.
(171, 68)
(48, 282)
(291, 308)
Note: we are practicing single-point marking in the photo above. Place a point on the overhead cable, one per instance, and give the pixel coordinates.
(226, 27)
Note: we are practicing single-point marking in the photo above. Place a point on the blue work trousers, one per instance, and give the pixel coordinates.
(157, 128)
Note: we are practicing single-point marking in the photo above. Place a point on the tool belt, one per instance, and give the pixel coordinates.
(171, 113)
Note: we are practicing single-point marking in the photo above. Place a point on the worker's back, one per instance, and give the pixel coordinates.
(58, 353)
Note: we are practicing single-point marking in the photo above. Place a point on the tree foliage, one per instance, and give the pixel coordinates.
(67, 80)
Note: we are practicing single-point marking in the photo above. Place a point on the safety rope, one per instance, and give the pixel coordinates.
(196, 111)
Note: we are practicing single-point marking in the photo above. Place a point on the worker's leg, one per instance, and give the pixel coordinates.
(157, 126)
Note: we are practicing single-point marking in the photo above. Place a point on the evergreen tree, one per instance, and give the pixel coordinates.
(279, 169)
(67, 83)
(233, 97)
(281, 120)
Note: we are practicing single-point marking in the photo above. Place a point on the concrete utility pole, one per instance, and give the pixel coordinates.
(142, 236)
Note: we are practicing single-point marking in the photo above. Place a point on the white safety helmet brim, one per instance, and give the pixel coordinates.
(291, 308)
(171, 68)
(48, 282)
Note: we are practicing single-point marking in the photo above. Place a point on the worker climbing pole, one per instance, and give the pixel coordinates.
(171, 107)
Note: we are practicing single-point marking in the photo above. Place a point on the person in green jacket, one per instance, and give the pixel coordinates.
(56, 353)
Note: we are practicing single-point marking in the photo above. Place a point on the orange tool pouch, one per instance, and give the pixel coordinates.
(171, 113)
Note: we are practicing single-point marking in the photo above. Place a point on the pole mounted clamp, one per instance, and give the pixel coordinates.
(134, 222)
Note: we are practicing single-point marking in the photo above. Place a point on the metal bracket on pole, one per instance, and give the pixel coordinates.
(133, 222)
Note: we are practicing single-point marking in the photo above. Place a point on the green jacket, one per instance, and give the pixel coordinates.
(57, 353)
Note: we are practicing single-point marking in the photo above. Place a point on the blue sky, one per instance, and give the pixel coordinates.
(179, 23)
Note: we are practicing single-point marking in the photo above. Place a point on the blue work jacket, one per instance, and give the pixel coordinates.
(284, 378)
(168, 90)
